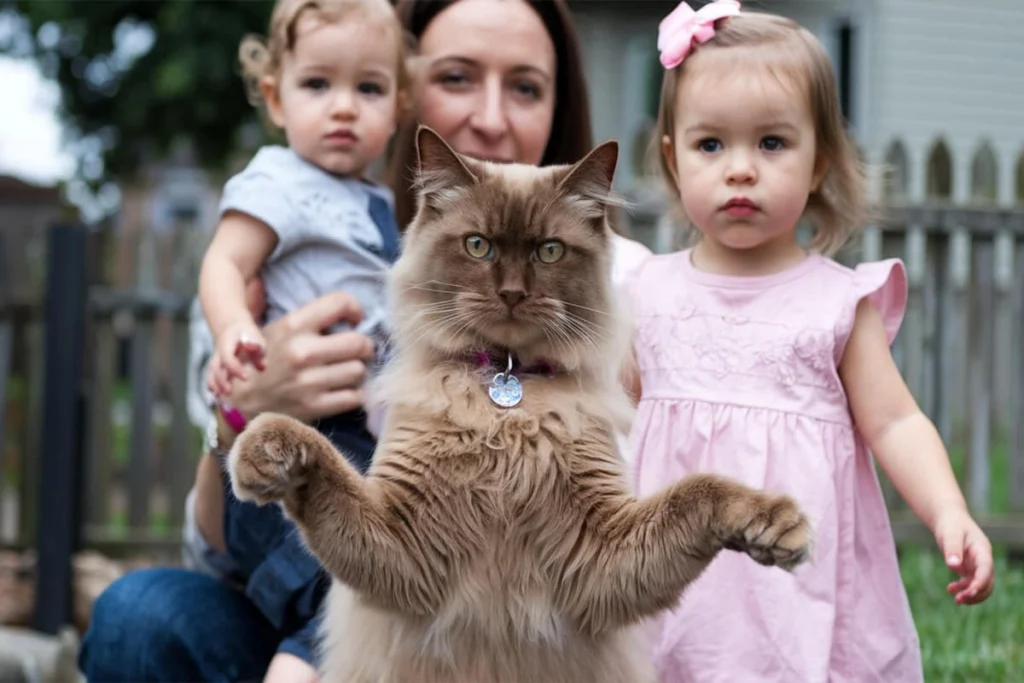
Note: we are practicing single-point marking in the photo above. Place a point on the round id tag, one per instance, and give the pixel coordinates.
(505, 390)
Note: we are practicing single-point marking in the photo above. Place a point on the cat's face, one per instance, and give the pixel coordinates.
(507, 257)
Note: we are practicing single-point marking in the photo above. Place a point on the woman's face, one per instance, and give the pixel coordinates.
(488, 82)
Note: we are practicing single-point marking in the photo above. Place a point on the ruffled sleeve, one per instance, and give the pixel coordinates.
(627, 257)
(261, 191)
(884, 284)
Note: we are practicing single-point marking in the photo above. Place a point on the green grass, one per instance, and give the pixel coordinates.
(981, 643)
(977, 644)
(159, 524)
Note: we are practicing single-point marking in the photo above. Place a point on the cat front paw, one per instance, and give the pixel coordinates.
(270, 458)
(770, 528)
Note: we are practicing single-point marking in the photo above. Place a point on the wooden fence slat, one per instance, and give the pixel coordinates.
(6, 353)
(99, 452)
(141, 443)
(980, 378)
(1003, 346)
(180, 461)
(914, 325)
(957, 296)
(944, 331)
(1016, 493)
(930, 300)
(33, 338)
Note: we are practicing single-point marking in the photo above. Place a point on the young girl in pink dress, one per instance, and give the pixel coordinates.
(770, 363)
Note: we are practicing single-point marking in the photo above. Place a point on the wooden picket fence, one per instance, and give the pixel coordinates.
(140, 449)
(960, 349)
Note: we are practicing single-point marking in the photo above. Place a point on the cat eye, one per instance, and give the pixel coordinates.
(479, 247)
(550, 251)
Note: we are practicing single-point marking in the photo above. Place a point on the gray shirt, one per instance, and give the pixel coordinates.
(333, 234)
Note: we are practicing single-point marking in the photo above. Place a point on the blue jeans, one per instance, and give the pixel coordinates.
(176, 625)
(181, 625)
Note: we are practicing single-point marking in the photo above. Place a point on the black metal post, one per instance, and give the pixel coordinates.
(60, 461)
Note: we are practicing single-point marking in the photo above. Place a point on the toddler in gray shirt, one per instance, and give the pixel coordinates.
(304, 217)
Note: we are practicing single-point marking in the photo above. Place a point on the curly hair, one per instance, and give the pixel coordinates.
(260, 57)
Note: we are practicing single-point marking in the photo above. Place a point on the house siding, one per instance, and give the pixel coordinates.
(946, 69)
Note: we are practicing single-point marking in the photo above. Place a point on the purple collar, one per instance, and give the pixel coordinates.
(498, 362)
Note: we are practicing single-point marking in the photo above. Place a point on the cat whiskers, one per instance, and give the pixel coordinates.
(433, 307)
(582, 307)
(437, 324)
(441, 317)
(556, 336)
(585, 330)
(437, 286)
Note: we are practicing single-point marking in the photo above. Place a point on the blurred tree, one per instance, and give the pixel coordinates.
(139, 76)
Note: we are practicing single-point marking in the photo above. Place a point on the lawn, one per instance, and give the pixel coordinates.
(978, 644)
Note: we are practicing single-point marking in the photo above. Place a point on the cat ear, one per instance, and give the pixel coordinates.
(441, 175)
(588, 184)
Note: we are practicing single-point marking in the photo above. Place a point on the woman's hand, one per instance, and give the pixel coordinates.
(309, 374)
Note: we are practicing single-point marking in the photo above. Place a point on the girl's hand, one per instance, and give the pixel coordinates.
(236, 346)
(217, 379)
(967, 552)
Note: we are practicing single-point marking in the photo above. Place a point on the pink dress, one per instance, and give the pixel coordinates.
(740, 378)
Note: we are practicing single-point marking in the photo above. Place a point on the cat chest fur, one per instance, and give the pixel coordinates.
(497, 501)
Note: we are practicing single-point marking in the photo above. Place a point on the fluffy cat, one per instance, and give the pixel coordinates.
(491, 544)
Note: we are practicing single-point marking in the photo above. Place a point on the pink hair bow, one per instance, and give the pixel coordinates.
(678, 32)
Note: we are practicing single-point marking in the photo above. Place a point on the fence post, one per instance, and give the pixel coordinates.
(61, 440)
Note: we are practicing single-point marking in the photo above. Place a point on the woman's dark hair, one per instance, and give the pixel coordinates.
(570, 138)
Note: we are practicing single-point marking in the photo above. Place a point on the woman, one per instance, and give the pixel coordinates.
(496, 88)
(501, 80)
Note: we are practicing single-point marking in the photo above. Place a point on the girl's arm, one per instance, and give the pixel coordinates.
(239, 248)
(909, 449)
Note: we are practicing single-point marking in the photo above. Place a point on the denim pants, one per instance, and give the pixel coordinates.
(169, 624)
(172, 624)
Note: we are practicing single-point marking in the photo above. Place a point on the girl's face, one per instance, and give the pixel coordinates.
(336, 95)
(488, 82)
(744, 156)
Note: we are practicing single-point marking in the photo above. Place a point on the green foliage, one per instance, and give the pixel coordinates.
(138, 77)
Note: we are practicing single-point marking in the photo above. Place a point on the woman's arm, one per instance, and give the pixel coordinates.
(288, 668)
(317, 375)
(909, 449)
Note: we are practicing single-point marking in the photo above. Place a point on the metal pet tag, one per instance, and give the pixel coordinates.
(505, 389)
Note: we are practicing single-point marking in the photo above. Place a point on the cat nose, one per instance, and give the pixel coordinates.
(512, 296)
